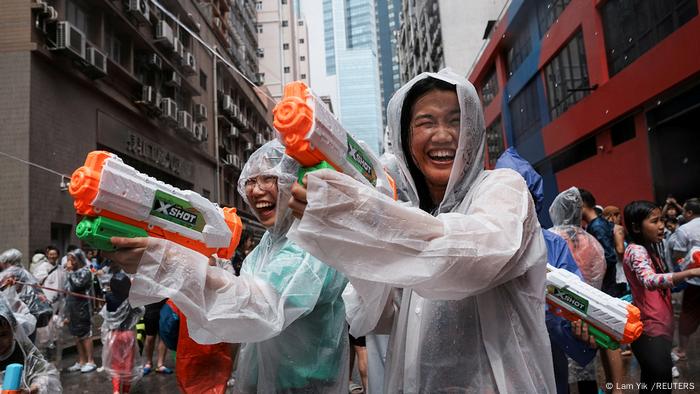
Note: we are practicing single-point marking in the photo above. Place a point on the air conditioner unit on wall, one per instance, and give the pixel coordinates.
(259, 140)
(227, 105)
(164, 35)
(70, 39)
(190, 64)
(155, 62)
(184, 121)
(234, 132)
(150, 98)
(168, 108)
(172, 78)
(98, 63)
(139, 10)
(177, 49)
(200, 132)
(200, 112)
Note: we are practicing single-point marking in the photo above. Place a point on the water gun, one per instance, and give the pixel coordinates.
(690, 261)
(315, 138)
(115, 200)
(611, 321)
(12, 382)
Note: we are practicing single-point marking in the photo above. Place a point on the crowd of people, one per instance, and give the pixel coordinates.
(440, 289)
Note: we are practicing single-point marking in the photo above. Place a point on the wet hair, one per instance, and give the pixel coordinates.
(671, 219)
(419, 89)
(635, 213)
(692, 204)
(587, 198)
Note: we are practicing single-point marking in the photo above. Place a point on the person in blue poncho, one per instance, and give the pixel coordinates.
(563, 337)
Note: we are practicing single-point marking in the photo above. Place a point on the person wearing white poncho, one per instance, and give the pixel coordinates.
(468, 251)
(285, 306)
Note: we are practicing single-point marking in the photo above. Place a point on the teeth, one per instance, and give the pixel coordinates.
(445, 154)
(262, 205)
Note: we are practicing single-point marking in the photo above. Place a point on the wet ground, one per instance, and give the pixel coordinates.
(99, 382)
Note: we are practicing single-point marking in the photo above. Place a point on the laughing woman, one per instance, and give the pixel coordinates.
(286, 305)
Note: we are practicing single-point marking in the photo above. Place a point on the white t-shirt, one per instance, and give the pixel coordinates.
(685, 238)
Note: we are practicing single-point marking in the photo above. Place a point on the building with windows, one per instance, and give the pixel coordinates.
(351, 55)
(387, 18)
(602, 95)
(130, 78)
(283, 49)
(442, 33)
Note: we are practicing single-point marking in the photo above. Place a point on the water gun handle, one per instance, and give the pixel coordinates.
(98, 231)
(602, 339)
(304, 170)
(12, 383)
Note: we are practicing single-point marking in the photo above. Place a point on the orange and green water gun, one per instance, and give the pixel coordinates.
(314, 137)
(116, 200)
(611, 321)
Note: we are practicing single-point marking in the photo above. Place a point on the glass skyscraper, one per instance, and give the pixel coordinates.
(351, 54)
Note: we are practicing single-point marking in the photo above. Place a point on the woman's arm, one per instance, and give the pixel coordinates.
(366, 235)
(221, 307)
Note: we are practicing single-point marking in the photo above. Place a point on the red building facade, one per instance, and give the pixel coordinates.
(599, 94)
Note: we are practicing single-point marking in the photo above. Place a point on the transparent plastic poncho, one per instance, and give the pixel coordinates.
(565, 212)
(471, 314)
(37, 373)
(120, 350)
(285, 307)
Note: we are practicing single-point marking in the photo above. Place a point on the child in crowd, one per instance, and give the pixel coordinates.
(651, 284)
(119, 347)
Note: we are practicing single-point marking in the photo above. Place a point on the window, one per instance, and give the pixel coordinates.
(494, 141)
(303, 76)
(623, 131)
(490, 88)
(632, 27)
(300, 23)
(260, 28)
(285, 46)
(258, 5)
(525, 112)
(117, 47)
(567, 77)
(284, 1)
(286, 70)
(285, 23)
(574, 154)
(302, 58)
(202, 80)
(80, 17)
(548, 12)
(301, 41)
(518, 51)
(260, 52)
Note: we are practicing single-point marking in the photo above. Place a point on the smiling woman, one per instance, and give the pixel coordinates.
(430, 121)
(261, 192)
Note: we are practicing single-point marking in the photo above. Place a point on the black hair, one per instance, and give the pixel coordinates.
(671, 219)
(71, 248)
(587, 198)
(119, 286)
(38, 251)
(692, 204)
(635, 213)
(51, 247)
(417, 91)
